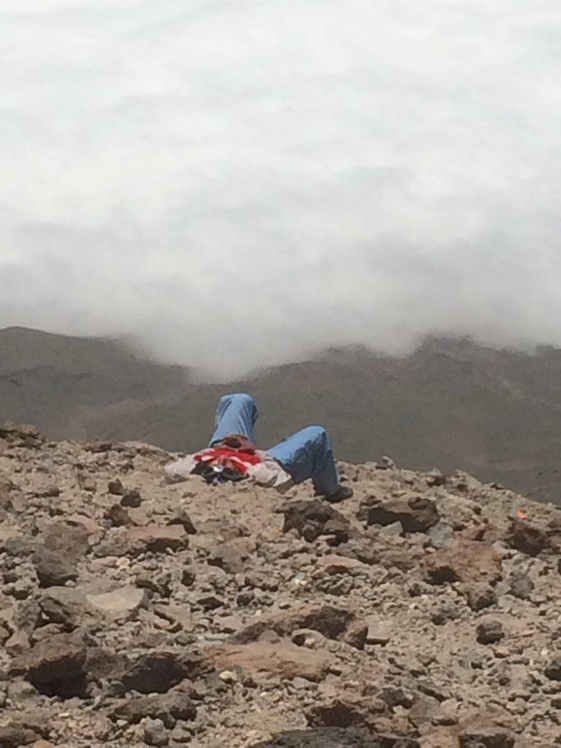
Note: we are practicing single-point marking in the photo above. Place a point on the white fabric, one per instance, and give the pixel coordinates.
(266, 473)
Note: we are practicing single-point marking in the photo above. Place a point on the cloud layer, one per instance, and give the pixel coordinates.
(237, 183)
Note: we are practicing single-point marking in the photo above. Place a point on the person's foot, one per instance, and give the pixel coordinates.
(342, 493)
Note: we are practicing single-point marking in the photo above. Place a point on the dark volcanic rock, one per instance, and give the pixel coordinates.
(337, 713)
(330, 621)
(553, 668)
(158, 671)
(168, 707)
(14, 736)
(416, 514)
(182, 518)
(55, 665)
(527, 538)
(53, 569)
(489, 632)
(313, 518)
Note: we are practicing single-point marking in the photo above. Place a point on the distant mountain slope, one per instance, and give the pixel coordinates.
(62, 382)
(451, 404)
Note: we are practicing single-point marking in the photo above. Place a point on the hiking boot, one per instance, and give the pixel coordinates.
(342, 493)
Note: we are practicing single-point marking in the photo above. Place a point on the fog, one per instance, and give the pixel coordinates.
(238, 184)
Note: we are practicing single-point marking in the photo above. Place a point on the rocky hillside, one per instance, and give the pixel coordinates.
(422, 613)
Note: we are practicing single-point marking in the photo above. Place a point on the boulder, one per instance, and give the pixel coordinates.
(415, 514)
(463, 561)
(53, 569)
(330, 621)
(168, 707)
(314, 518)
(158, 671)
(279, 658)
(55, 665)
(526, 537)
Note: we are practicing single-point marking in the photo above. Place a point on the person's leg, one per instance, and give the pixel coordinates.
(308, 454)
(236, 414)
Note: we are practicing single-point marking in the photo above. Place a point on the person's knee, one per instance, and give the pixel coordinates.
(316, 434)
(241, 399)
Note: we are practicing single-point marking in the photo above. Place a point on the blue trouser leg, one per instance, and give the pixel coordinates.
(308, 454)
(236, 414)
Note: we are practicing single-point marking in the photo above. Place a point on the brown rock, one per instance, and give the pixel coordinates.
(14, 736)
(333, 564)
(489, 631)
(337, 713)
(486, 736)
(422, 710)
(66, 540)
(116, 488)
(440, 737)
(159, 670)
(6, 504)
(18, 643)
(167, 707)
(149, 538)
(182, 518)
(332, 622)
(464, 561)
(90, 526)
(158, 539)
(131, 498)
(480, 596)
(553, 668)
(63, 606)
(527, 538)
(52, 568)
(378, 632)
(416, 514)
(118, 516)
(22, 434)
(227, 557)
(356, 633)
(8, 533)
(313, 518)
(55, 665)
(280, 658)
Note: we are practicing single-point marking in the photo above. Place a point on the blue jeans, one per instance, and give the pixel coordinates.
(306, 454)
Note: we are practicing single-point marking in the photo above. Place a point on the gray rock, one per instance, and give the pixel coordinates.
(521, 586)
(119, 602)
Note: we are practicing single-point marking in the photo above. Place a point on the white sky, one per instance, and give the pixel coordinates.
(237, 183)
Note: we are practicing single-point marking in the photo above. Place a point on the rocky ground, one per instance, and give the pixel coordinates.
(422, 613)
